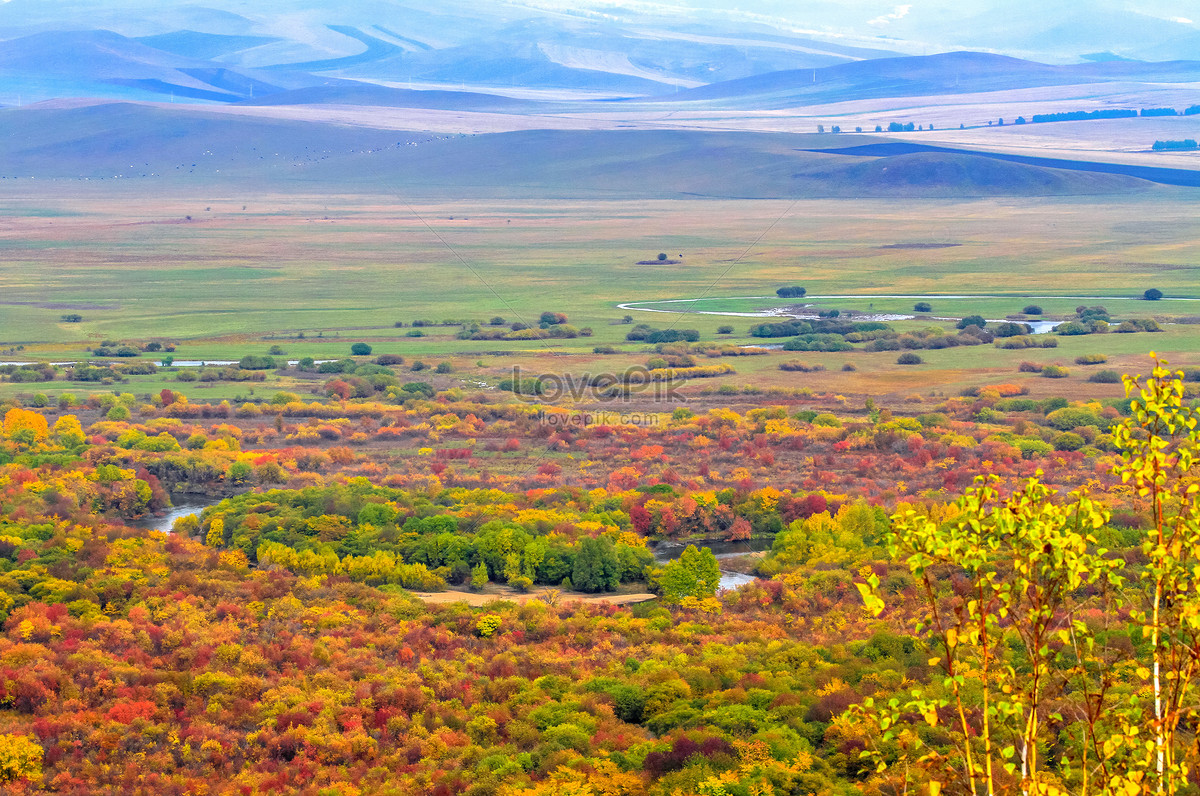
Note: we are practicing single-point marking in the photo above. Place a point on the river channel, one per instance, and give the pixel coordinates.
(167, 521)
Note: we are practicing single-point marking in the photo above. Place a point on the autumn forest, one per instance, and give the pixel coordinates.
(444, 593)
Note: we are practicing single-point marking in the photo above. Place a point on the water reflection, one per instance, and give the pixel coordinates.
(166, 522)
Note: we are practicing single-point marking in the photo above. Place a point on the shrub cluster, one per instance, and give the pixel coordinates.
(1028, 341)
(646, 333)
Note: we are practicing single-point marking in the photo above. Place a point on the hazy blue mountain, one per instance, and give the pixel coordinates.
(945, 73)
(1061, 31)
(473, 44)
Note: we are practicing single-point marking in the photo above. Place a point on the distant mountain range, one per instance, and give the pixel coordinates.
(191, 66)
(945, 73)
(132, 50)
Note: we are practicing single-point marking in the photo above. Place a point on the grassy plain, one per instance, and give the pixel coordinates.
(247, 272)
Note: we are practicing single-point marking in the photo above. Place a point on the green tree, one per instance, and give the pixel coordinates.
(1153, 294)
(694, 574)
(360, 349)
(239, 472)
(479, 576)
(596, 566)
(253, 362)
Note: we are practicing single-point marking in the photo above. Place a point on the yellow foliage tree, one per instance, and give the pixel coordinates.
(216, 533)
(25, 427)
(68, 431)
(605, 779)
(20, 758)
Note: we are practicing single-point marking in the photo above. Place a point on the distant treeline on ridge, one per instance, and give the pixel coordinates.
(1187, 143)
(1113, 113)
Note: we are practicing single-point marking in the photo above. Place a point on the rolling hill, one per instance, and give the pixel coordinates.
(165, 148)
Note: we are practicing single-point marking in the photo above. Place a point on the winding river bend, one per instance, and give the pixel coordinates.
(185, 507)
(1039, 327)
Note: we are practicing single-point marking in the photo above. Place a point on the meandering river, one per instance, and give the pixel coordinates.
(166, 522)
(1039, 327)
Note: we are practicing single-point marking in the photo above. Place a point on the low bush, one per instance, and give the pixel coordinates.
(1105, 377)
(1068, 441)
(802, 367)
(1028, 341)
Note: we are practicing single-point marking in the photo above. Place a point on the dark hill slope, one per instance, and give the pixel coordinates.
(950, 174)
(130, 140)
(674, 164)
(892, 149)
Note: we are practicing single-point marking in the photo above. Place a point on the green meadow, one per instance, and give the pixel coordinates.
(313, 274)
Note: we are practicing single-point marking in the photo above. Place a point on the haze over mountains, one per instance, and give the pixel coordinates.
(392, 84)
